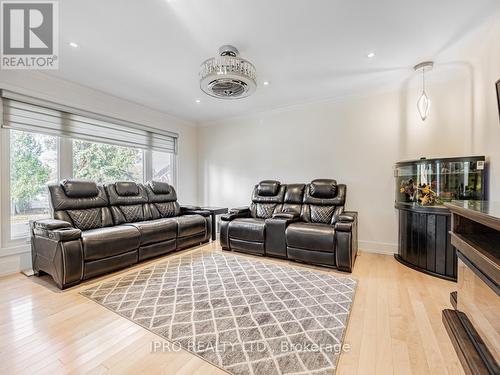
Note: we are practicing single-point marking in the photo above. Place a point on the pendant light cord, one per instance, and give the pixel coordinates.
(423, 79)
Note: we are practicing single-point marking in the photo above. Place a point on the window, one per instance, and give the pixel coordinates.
(33, 164)
(163, 166)
(42, 142)
(36, 160)
(102, 162)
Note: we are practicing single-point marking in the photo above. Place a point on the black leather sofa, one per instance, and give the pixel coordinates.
(97, 229)
(306, 223)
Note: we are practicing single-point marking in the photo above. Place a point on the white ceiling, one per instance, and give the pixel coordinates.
(149, 51)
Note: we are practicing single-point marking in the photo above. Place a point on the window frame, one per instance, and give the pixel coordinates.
(64, 170)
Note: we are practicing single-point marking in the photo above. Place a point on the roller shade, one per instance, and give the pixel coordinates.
(34, 115)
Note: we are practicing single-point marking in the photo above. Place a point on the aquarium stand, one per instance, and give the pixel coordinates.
(425, 242)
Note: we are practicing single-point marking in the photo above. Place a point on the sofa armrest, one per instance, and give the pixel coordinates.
(288, 216)
(347, 217)
(56, 249)
(240, 209)
(235, 213)
(194, 210)
(190, 207)
(56, 230)
(346, 235)
(275, 238)
(51, 224)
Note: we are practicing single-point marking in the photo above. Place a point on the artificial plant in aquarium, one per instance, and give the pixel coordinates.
(422, 194)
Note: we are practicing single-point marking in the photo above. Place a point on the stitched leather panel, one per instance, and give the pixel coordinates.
(90, 218)
(321, 214)
(132, 213)
(168, 209)
(265, 210)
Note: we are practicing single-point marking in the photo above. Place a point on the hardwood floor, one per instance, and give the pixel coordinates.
(395, 328)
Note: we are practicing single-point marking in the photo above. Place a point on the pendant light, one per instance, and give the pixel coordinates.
(228, 76)
(423, 103)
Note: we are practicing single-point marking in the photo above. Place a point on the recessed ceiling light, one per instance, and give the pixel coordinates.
(198, 101)
(266, 83)
(73, 44)
(371, 55)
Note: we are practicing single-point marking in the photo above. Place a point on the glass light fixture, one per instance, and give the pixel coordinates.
(228, 76)
(423, 103)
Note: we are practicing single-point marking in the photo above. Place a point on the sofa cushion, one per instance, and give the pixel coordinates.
(311, 236)
(247, 246)
(189, 225)
(268, 188)
(167, 209)
(131, 213)
(79, 188)
(264, 210)
(159, 187)
(321, 214)
(294, 193)
(154, 231)
(126, 188)
(86, 219)
(105, 242)
(250, 229)
(323, 188)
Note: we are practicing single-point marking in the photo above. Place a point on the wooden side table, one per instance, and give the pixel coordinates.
(214, 211)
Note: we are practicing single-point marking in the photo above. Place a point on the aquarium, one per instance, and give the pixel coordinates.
(432, 182)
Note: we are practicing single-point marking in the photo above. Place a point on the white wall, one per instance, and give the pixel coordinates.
(478, 53)
(50, 88)
(486, 118)
(358, 140)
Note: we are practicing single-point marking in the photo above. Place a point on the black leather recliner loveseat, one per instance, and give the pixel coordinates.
(97, 229)
(301, 222)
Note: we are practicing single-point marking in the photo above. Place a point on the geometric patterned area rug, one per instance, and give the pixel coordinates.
(240, 314)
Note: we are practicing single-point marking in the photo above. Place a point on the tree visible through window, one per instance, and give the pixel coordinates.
(33, 164)
(102, 162)
(35, 160)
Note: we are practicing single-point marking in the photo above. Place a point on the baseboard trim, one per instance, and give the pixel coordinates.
(14, 263)
(378, 247)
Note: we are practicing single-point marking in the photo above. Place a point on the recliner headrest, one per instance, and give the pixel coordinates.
(323, 188)
(268, 188)
(79, 188)
(159, 187)
(126, 188)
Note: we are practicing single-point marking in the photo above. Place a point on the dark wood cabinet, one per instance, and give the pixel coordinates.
(425, 242)
(473, 325)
